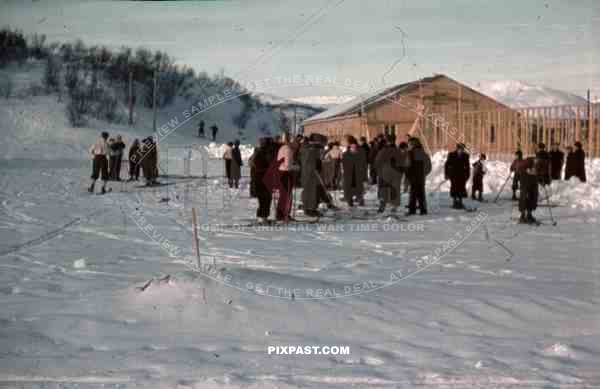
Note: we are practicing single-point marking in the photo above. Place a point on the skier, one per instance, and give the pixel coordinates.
(391, 163)
(236, 164)
(579, 162)
(457, 170)
(354, 165)
(134, 167)
(260, 185)
(557, 158)
(313, 191)
(111, 159)
(419, 167)
(376, 145)
(116, 152)
(201, 129)
(479, 171)
(285, 181)
(334, 157)
(516, 176)
(544, 164)
(227, 156)
(99, 152)
(529, 171)
(214, 130)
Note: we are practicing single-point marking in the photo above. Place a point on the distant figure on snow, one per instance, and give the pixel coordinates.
(134, 166)
(201, 129)
(214, 130)
(457, 170)
(99, 153)
(557, 159)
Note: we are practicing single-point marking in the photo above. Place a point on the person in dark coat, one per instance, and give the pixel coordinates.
(118, 147)
(418, 169)
(528, 170)
(354, 165)
(457, 170)
(570, 163)
(134, 166)
(544, 167)
(479, 171)
(236, 164)
(260, 185)
(227, 158)
(149, 160)
(516, 175)
(391, 164)
(376, 145)
(201, 129)
(579, 162)
(310, 161)
(557, 159)
(214, 130)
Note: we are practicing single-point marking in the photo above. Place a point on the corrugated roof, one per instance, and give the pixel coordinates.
(355, 105)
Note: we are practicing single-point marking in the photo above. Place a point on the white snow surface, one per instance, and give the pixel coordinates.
(480, 302)
(519, 94)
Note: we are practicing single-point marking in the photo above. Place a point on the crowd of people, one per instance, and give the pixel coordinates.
(539, 170)
(278, 165)
(107, 158)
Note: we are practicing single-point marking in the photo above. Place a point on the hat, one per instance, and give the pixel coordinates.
(541, 145)
(104, 134)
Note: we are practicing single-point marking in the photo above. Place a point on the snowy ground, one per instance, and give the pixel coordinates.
(477, 302)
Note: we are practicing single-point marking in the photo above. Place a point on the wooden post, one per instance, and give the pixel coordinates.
(130, 98)
(154, 104)
(591, 148)
(195, 241)
(577, 126)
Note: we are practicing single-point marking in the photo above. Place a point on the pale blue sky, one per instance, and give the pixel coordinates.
(549, 42)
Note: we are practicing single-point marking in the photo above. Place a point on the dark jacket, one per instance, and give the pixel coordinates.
(310, 170)
(579, 164)
(556, 163)
(543, 166)
(354, 163)
(236, 163)
(457, 169)
(418, 166)
(260, 161)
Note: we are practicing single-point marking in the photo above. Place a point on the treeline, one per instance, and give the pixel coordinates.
(98, 81)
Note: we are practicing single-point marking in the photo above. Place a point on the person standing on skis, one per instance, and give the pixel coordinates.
(479, 171)
(99, 153)
(516, 177)
(354, 166)
(236, 164)
(557, 159)
(529, 170)
(457, 170)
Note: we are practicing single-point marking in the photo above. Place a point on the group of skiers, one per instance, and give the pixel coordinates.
(280, 165)
(539, 170)
(213, 129)
(107, 157)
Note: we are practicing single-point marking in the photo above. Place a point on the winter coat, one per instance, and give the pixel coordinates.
(528, 174)
(354, 165)
(260, 161)
(479, 171)
(236, 163)
(391, 164)
(117, 148)
(149, 158)
(227, 152)
(579, 164)
(310, 178)
(367, 149)
(457, 170)
(543, 167)
(419, 166)
(556, 163)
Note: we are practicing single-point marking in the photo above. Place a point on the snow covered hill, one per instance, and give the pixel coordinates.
(34, 124)
(518, 94)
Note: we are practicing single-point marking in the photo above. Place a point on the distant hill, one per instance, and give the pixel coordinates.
(518, 94)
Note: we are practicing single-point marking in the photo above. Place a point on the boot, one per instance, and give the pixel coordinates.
(423, 212)
(514, 196)
(523, 218)
(91, 188)
(103, 189)
(381, 208)
(530, 218)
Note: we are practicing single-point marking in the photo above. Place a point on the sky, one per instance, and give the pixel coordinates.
(546, 42)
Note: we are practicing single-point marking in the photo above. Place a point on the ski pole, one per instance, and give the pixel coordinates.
(549, 205)
(502, 187)
(329, 196)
